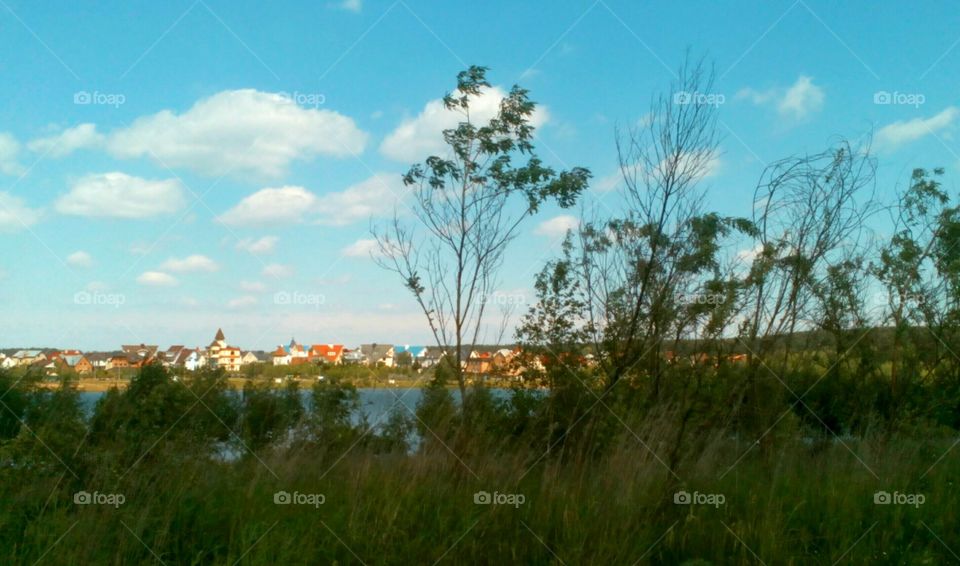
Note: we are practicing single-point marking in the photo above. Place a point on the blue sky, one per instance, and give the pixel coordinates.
(170, 168)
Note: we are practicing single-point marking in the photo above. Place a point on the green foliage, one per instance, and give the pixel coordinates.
(13, 402)
(437, 412)
(268, 414)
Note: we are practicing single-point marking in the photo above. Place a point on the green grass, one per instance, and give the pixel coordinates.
(796, 504)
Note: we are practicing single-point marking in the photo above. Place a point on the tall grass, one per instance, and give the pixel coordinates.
(798, 500)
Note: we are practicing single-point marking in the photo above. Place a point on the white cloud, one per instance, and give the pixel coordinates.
(797, 101)
(422, 136)
(240, 132)
(758, 97)
(557, 226)
(241, 302)
(749, 254)
(277, 271)
(892, 136)
(263, 245)
(15, 215)
(80, 259)
(156, 279)
(191, 263)
(364, 247)
(802, 98)
(140, 248)
(119, 195)
(608, 183)
(9, 151)
(253, 286)
(375, 196)
(354, 6)
(84, 136)
(283, 205)
(708, 163)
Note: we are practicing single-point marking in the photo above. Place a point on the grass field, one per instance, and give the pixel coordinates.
(787, 500)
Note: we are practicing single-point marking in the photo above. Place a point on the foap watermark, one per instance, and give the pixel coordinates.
(703, 299)
(895, 98)
(497, 498)
(97, 498)
(714, 99)
(505, 299)
(314, 99)
(97, 98)
(296, 498)
(296, 298)
(697, 498)
(897, 498)
(911, 303)
(114, 300)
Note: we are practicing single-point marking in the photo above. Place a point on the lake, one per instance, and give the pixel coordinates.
(375, 403)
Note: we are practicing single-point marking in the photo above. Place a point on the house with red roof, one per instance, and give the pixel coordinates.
(326, 353)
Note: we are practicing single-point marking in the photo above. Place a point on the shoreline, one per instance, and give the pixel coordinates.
(94, 385)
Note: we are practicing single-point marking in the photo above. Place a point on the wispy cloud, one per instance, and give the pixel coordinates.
(893, 136)
(797, 102)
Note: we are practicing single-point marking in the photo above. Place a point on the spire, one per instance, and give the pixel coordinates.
(219, 335)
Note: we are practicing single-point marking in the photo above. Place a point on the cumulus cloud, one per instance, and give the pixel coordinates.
(271, 206)
(557, 226)
(277, 271)
(84, 136)
(802, 98)
(15, 215)
(241, 302)
(259, 246)
(364, 247)
(422, 136)
(79, 259)
(190, 263)
(156, 279)
(253, 286)
(119, 195)
(608, 183)
(9, 152)
(797, 101)
(375, 196)
(892, 136)
(240, 132)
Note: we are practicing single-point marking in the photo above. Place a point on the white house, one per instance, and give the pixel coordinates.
(285, 355)
(194, 360)
(27, 357)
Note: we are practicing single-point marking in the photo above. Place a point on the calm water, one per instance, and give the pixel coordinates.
(375, 404)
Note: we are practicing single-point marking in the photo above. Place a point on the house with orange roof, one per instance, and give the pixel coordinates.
(284, 355)
(280, 356)
(478, 363)
(118, 361)
(77, 362)
(327, 353)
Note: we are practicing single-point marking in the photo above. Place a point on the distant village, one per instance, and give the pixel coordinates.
(232, 359)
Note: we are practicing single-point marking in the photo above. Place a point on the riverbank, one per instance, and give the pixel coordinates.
(98, 385)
